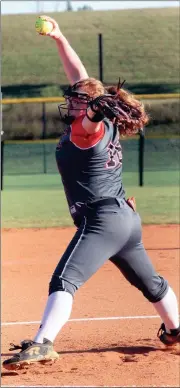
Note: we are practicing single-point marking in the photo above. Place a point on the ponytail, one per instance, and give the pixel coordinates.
(136, 118)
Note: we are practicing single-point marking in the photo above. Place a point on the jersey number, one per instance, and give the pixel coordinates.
(114, 155)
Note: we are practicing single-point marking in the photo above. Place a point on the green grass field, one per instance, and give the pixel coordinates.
(39, 200)
(139, 45)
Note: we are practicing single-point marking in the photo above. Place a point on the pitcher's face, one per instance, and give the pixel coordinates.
(76, 106)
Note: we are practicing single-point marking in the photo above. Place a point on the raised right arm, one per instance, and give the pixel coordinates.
(73, 67)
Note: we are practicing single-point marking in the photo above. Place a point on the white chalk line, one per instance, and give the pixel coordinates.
(85, 320)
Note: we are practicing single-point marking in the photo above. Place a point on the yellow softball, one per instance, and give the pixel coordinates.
(43, 26)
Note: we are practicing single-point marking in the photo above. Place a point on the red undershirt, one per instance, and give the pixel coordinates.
(81, 138)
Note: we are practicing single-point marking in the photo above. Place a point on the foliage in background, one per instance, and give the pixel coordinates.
(24, 121)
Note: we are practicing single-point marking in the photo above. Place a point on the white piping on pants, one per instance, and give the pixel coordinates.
(78, 242)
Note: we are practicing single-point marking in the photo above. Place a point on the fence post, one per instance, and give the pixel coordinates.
(2, 163)
(141, 158)
(44, 136)
(100, 45)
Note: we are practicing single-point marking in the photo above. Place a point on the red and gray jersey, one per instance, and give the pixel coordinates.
(90, 164)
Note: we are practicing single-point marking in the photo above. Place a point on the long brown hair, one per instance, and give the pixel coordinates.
(136, 119)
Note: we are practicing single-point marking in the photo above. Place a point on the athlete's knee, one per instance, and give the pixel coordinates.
(155, 289)
(61, 284)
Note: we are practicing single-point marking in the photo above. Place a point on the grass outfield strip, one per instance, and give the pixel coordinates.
(42, 208)
(28, 206)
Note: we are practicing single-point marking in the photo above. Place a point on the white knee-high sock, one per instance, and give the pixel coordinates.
(168, 310)
(56, 314)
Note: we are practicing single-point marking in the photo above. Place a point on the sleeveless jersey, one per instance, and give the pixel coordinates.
(90, 165)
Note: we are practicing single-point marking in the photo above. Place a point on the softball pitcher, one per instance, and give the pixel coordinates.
(89, 160)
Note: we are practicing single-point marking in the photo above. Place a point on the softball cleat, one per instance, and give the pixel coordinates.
(169, 339)
(31, 352)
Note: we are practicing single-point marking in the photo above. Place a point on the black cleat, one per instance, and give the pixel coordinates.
(31, 352)
(168, 339)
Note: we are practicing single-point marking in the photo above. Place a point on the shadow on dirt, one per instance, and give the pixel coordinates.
(124, 350)
(4, 374)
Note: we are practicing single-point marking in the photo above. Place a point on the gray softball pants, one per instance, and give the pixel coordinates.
(108, 232)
